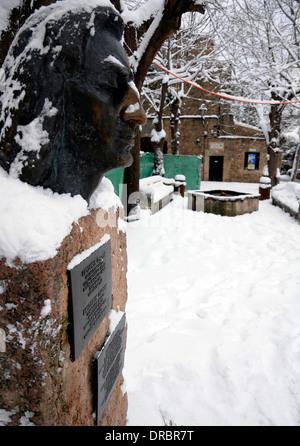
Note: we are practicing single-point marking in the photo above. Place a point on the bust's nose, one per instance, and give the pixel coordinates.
(133, 109)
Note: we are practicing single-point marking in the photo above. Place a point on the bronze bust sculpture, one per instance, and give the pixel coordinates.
(69, 108)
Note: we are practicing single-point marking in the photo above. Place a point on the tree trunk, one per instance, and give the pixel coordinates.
(169, 24)
(158, 135)
(174, 124)
(296, 163)
(274, 157)
(159, 159)
(132, 177)
(274, 146)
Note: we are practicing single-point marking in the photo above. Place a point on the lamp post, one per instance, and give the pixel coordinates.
(202, 110)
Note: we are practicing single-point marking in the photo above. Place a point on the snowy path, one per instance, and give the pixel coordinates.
(213, 318)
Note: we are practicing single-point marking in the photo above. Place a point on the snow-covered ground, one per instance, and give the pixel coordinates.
(213, 317)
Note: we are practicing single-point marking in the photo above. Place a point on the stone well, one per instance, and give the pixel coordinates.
(223, 202)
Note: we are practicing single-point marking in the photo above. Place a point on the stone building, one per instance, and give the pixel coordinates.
(231, 151)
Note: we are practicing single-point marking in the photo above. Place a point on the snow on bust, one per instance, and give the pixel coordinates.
(65, 123)
(34, 221)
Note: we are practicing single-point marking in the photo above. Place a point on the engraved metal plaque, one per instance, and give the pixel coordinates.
(110, 362)
(90, 284)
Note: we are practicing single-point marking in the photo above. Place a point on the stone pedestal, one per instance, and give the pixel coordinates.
(265, 193)
(40, 384)
(264, 188)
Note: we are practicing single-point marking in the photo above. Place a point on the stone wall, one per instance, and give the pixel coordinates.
(286, 208)
(40, 384)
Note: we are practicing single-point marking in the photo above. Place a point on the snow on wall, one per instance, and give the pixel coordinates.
(85, 254)
(155, 188)
(288, 194)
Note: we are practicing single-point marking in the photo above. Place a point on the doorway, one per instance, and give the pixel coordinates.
(216, 168)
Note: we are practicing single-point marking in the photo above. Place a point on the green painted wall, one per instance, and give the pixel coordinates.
(174, 165)
(117, 179)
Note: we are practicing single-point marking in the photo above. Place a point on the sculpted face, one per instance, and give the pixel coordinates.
(80, 99)
(106, 101)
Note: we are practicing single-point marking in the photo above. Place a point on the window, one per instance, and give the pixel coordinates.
(251, 161)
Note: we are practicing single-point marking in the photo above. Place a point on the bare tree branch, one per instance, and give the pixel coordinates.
(153, 32)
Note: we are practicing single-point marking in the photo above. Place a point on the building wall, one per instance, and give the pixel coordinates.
(207, 138)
